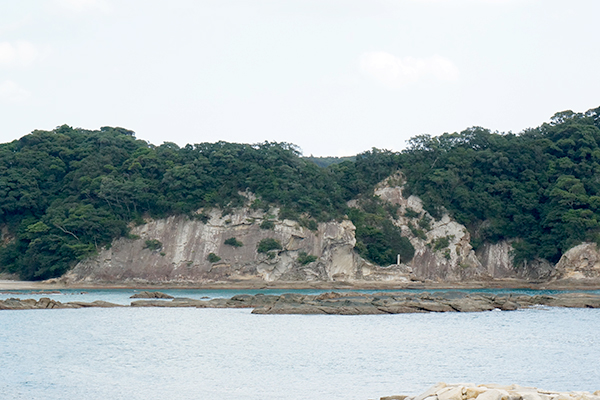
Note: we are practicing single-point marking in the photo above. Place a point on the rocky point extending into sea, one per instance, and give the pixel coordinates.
(348, 303)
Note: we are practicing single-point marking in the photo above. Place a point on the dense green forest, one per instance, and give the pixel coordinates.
(540, 187)
(66, 193)
(327, 161)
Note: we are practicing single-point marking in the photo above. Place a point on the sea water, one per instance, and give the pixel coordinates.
(188, 353)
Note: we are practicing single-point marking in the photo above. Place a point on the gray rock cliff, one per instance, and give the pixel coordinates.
(185, 246)
(177, 250)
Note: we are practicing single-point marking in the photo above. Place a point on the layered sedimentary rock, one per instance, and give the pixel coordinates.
(184, 250)
(180, 252)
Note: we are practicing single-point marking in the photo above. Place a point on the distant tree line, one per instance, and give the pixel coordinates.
(66, 193)
(327, 161)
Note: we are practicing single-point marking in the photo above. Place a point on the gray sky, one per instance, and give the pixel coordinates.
(335, 77)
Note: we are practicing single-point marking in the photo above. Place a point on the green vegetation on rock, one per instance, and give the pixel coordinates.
(540, 187)
(153, 244)
(233, 242)
(268, 244)
(304, 258)
(267, 224)
(213, 258)
(377, 238)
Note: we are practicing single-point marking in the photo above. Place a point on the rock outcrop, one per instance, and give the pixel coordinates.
(151, 295)
(348, 303)
(46, 303)
(497, 259)
(219, 247)
(442, 249)
(579, 263)
(442, 391)
(181, 250)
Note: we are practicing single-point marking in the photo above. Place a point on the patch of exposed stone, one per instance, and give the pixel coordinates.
(442, 391)
(350, 303)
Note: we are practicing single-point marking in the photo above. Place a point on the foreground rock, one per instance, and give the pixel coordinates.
(349, 303)
(442, 391)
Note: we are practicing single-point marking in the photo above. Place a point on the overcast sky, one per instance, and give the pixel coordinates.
(335, 77)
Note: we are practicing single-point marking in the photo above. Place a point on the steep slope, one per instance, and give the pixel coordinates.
(186, 245)
(187, 250)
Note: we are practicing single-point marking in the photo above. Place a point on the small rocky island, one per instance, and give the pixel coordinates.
(333, 303)
(442, 391)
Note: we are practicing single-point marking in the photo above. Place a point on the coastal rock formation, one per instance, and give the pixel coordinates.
(442, 250)
(184, 250)
(151, 295)
(497, 259)
(215, 246)
(403, 302)
(349, 303)
(579, 263)
(442, 391)
(46, 303)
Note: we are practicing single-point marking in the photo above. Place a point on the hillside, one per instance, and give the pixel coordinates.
(67, 194)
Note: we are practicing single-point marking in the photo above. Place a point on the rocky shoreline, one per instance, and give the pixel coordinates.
(332, 303)
(57, 284)
(442, 391)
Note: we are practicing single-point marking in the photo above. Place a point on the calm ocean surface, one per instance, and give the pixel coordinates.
(154, 353)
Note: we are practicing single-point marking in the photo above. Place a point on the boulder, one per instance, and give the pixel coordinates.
(451, 393)
(431, 391)
(499, 392)
(579, 263)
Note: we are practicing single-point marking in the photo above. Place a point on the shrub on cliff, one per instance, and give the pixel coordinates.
(213, 258)
(266, 245)
(304, 258)
(153, 244)
(233, 242)
(267, 224)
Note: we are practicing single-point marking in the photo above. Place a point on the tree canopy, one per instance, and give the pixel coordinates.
(540, 188)
(66, 193)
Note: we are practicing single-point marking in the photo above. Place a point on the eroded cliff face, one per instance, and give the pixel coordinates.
(497, 259)
(187, 244)
(443, 252)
